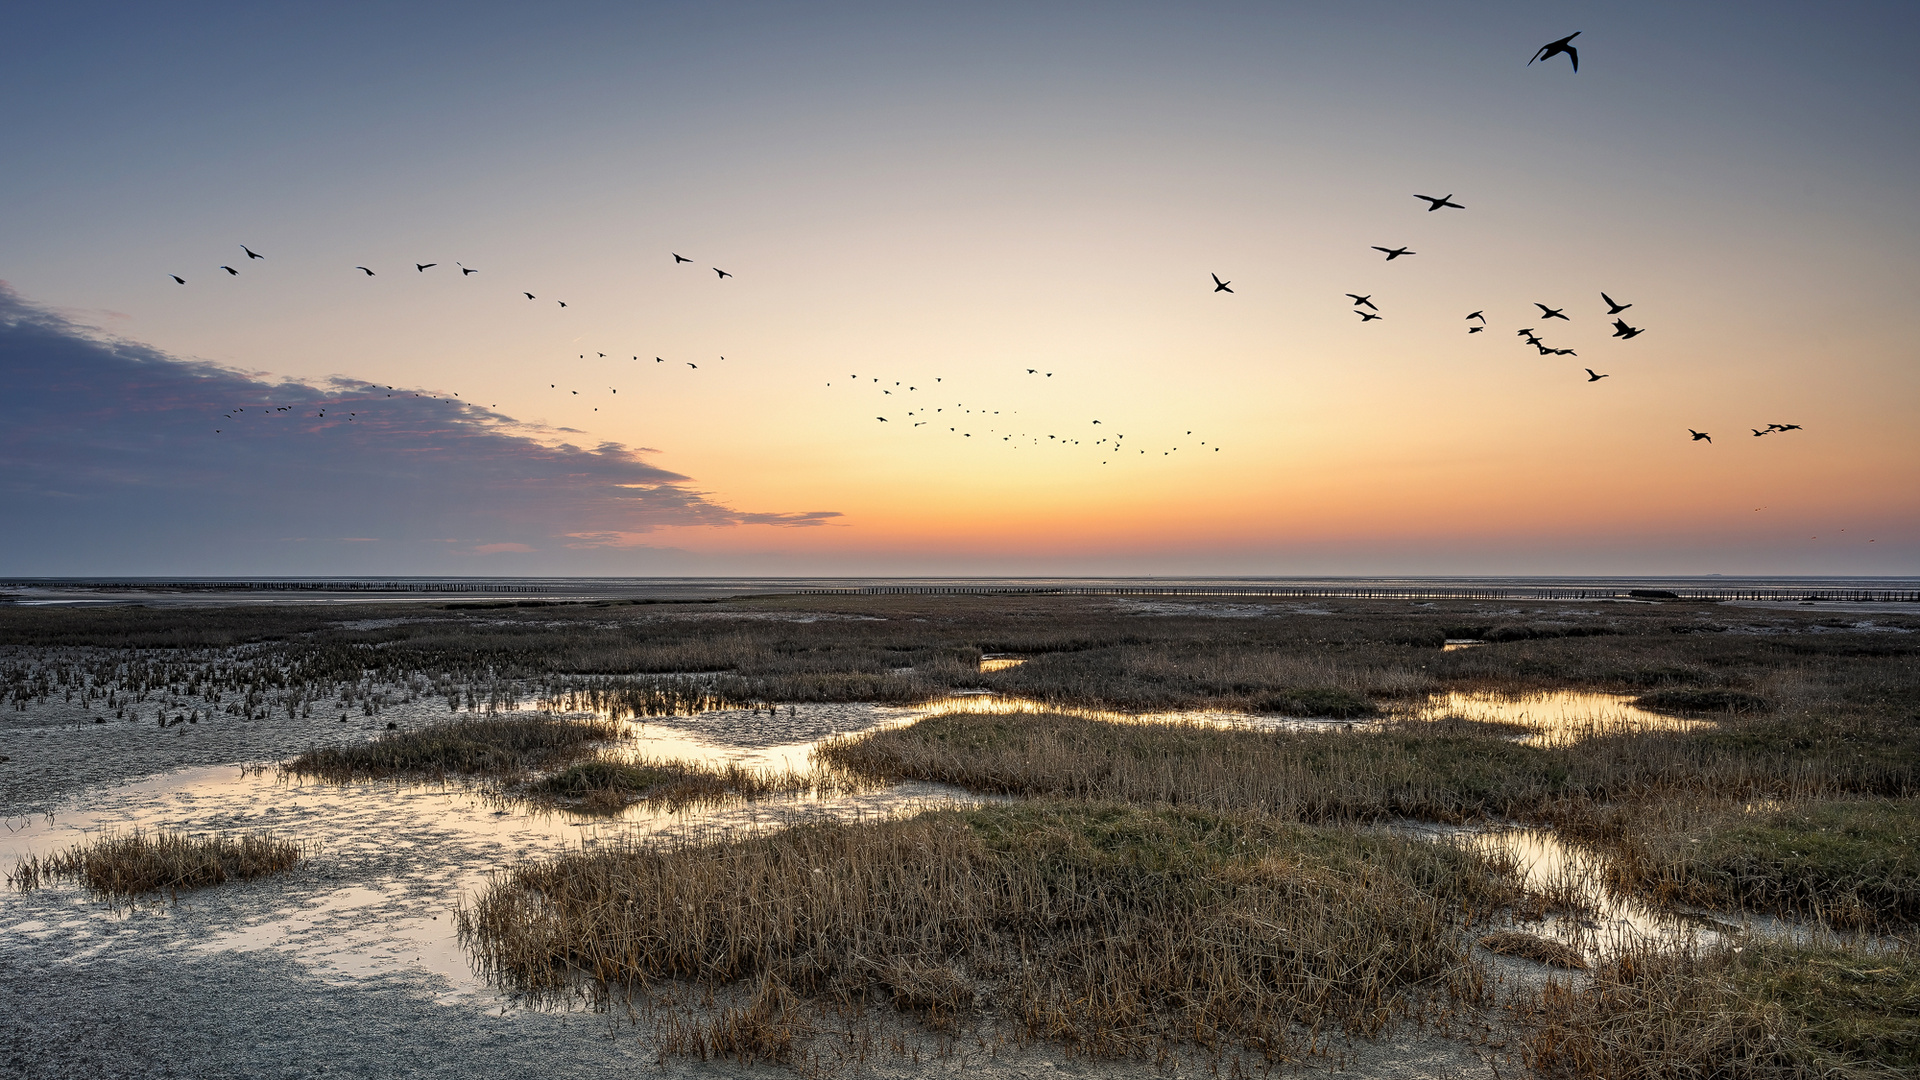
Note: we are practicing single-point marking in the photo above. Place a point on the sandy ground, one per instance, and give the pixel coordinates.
(349, 967)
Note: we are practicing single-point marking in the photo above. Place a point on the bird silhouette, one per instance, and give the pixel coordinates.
(422, 267)
(562, 303)
(1622, 330)
(1359, 300)
(1757, 432)
(528, 295)
(882, 419)
(1220, 286)
(721, 272)
(251, 254)
(1551, 313)
(1614, 307)
(1554, 48)
(230, 270)
(1475, 329)
(679, 258)
(1394, 253)
(658, 360)
(178, 280)
(464, 271)
(1365, 316)
(1444, 200)
(1785, 427)
(369, 273)
(1563, 352)
(1698, 435)
(693, 365)
(1481, 315)
(1591, 377)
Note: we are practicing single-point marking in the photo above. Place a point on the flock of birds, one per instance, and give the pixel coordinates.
(1368, 311)
(929, 405)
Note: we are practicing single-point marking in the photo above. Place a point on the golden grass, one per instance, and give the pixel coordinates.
(1113, 930)
(128, 865)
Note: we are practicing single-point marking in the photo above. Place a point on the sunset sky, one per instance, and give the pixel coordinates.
(945, 197)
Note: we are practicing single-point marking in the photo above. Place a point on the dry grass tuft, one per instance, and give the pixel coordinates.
(499, 747)
(1111, 929)
(1533, 947)
(121, 866)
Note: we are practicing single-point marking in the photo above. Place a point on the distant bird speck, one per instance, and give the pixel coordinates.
(721, 272)
(251, 254)
(369, 273)
(464, 271)
(230, 270)
(679, 258)
(1551, 313)
(1698, 435)
(1359, 300)
(1623, 331)
(1220, 286)
(1394, 253)
(178, 280)
(422, 267)
(1614, 307)
(1591, 377)
(1444, 200)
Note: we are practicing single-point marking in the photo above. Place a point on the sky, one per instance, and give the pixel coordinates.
(990, 225)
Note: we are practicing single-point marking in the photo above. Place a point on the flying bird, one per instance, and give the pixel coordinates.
(251, 254)
(721, 272)
(1365, 316)
(1551, 313)
(178, 280)
(369, 273)
(1475, 329)
(1358, 300)
(230, 270)
(422, 267)
(1394, 253)
(882, 419)
(562, 303)
(1481, 315)
(1622, 330)
(1698, 435)
(1785, 427)
(1757, 432)
(528, 295)
(1614, 307)
(679, 258)
(1220, 286)
(464, 271)
(693, 365)
(1444, 200)
(1554, 48)
(1591, 377)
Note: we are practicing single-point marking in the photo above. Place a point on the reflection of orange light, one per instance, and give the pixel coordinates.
(1000, 663)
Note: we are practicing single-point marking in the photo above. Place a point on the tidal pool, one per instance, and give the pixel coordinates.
(1554, 717)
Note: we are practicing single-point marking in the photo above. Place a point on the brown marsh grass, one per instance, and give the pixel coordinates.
(610, 784)
(1756, 1011)
(491, 746)
(1432, 773)
(1113, 930)
(121, 866)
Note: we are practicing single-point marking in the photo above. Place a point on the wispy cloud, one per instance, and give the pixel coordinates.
(115, 457)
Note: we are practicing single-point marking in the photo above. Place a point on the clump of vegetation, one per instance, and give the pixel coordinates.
(609, 785)
(1115, 930)
(1433, 772)
(1540, 950)
(1335, 702)
(1774, 1010)
(1850, 863)
(1698, 700)
(122, 866)
(493, 746)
